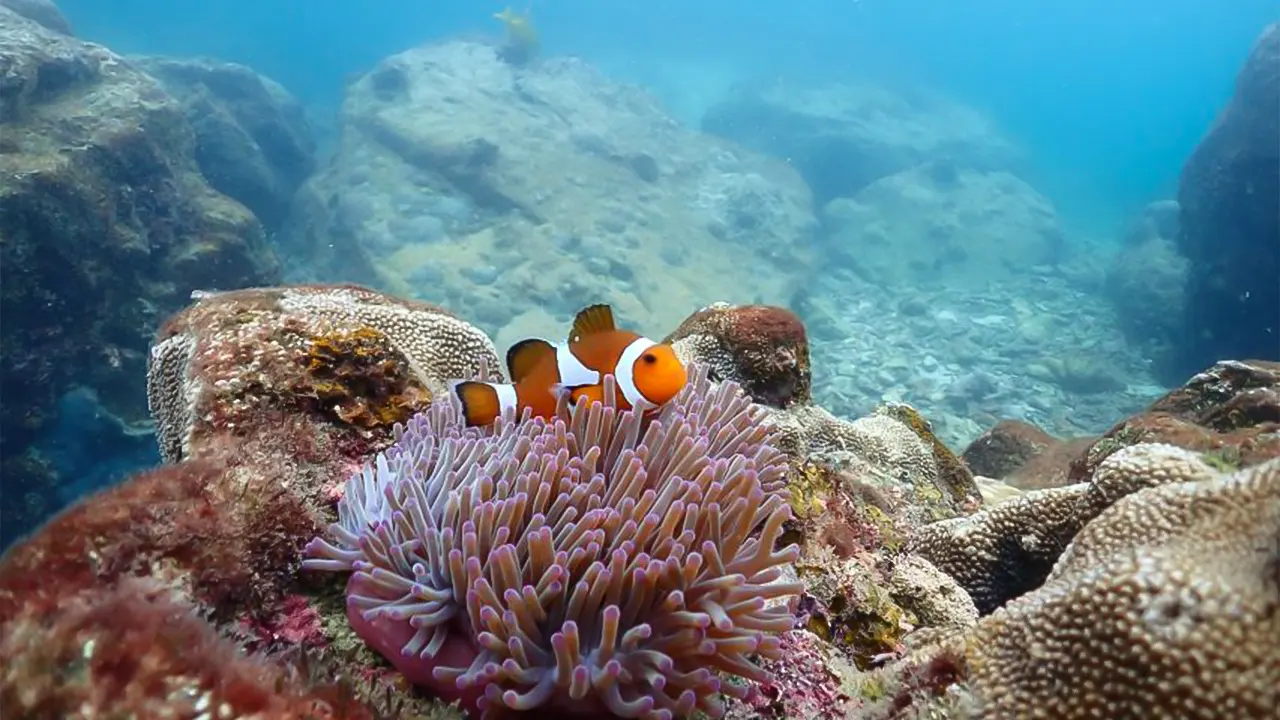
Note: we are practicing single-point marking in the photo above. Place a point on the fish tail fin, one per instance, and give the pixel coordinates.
(482, 402)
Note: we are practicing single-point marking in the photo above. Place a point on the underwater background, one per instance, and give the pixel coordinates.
(970, 204)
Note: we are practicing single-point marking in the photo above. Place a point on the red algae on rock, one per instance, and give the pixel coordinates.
(136, 649)
(252, 465)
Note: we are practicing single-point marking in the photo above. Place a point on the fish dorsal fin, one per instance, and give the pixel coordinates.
(525, 355)
(591, 320)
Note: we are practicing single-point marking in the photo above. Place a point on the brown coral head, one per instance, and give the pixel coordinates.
(598, 561)
(762, 347)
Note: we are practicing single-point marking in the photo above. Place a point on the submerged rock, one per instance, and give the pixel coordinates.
(911, 229)
(468, 181)
(107, 226)
(1230, 224)
(44, 12)
(253, 142)
(842, 138)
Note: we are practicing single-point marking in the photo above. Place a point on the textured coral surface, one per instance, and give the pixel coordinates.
(1167, 605)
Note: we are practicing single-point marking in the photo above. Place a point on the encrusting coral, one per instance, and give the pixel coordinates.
(602, 560)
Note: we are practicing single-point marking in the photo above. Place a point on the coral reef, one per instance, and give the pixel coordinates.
(914, 599)
(1230, 411)
(341, 351)
(107, 227)
(597, 561)
(138, 649)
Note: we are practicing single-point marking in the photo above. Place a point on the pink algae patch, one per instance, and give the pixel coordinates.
(296, 624)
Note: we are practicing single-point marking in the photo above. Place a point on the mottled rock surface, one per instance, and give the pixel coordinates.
(845, 137)
(1230, 223)
(1147, 283)
(467, 181)
(936, 224)
(1007, 446)
(107, 226)
(44, 12)
(253, 141)
(765, 349)
(1024, 456)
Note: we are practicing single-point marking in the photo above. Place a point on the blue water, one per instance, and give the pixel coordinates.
(1109, 96)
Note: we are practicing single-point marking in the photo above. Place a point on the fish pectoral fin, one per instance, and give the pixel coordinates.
(525, 355)
(591, 320)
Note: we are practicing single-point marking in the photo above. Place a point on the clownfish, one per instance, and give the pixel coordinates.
(541, 371)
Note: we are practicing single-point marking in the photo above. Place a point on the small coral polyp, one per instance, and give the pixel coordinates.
(597, 563)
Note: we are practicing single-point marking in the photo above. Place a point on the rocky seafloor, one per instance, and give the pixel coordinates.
(1141, 581)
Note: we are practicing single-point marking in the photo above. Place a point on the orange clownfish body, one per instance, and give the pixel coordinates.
(541, 371)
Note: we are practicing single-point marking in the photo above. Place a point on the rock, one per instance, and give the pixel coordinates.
(1051, 467)
(912, 229)
(44, 12)
(253, 141)
(1146, 285)
(340, 352)
(1225, 418)
(264, 401)
(1023, 456)
(1159, 219)
(1230, 234)
(473, 183)
(1006, 447)
(1231, 412)
(842, 138)
(107, 226)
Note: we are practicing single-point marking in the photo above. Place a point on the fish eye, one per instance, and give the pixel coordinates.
(650, 358)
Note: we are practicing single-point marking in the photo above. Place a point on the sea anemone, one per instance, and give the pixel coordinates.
(599, 562)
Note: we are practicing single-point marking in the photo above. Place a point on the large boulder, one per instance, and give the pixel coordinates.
(44, 12)
(467, 181)
(845, 137)
(253, 141)
(939, 224)
(106, 226)
(1230, 234)
(1146, 282)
